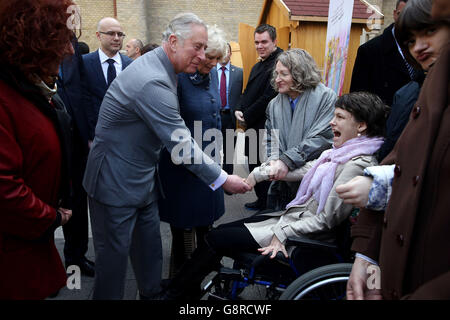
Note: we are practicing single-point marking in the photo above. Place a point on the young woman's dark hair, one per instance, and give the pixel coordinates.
(415, 16)
(366, 107)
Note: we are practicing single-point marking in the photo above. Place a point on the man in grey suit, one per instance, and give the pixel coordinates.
(140, 114)
(230, 89)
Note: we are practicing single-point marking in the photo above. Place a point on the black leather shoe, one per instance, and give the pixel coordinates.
(86, 266)
(256, 205)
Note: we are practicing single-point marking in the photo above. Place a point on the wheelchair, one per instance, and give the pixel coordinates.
(315, 270)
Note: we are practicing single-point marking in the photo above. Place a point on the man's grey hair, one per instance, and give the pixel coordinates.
(181, 26)
(217, 43)
(138, 44)
(302, 67)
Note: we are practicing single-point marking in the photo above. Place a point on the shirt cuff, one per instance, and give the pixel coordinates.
(359, 255)
(219, 181)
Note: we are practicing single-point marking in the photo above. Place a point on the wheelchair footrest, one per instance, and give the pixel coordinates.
(229, 273)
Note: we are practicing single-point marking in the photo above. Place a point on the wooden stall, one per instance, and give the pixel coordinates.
(303, 24)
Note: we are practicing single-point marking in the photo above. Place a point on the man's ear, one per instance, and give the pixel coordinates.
(173, 42)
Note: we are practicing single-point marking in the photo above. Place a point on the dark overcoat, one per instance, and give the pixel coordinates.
(411, 240)
(188, 201)
(379, 68)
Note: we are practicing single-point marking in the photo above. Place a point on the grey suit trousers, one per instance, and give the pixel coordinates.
(117, 234)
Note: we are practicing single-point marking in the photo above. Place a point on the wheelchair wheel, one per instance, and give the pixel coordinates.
(325, 283)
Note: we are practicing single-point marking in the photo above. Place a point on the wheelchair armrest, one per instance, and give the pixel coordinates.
(303, 242)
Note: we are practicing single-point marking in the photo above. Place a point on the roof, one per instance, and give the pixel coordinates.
(319, 8)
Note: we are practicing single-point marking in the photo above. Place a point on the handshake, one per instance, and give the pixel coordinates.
(274, 170)
(236, 184)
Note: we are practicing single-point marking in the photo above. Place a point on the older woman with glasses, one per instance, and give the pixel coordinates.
(297, 124)
(34, 146)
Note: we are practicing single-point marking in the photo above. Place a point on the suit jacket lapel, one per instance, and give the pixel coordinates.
(98, 71)
(232, 77)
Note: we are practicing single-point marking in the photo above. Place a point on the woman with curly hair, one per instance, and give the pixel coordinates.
(297, 121)
(34, 146)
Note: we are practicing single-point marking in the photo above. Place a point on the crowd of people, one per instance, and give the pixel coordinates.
(115, 133)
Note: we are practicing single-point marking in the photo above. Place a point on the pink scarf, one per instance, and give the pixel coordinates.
(318, 181)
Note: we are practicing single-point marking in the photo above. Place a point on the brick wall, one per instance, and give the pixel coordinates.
(388, 9)
(147, 19)
(91, 13)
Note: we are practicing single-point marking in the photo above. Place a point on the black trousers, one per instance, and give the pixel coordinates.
(233, 238)
(75, 231)
(227, 123)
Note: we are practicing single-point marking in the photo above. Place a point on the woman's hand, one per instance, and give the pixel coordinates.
(239, 115)
(279, 170)
(356, 191)
(66, 214)
(274, 246)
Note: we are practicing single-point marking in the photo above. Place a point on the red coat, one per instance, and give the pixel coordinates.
(411, 240)
(30, 173)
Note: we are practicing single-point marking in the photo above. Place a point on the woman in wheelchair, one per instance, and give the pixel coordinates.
(358, 126)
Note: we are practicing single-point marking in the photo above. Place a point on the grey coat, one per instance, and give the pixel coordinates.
(302, 134)
(138, 115)
(302, 220)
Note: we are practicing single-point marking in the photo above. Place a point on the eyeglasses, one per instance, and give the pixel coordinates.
(113, 34)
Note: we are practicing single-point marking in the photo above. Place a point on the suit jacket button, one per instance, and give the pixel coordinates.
(394, 294)
(400, 240)
(415, 180)
(397, 171)
(385, 222)
(416, 112)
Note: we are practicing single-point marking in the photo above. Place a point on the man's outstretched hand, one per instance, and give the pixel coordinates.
(236, 184)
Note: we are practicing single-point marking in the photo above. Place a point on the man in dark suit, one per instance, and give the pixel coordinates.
(380, 67)
(251, 110)
(70, 88)
(101, 68)
(230, 90)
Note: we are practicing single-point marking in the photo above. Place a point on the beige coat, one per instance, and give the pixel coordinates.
(302, 220)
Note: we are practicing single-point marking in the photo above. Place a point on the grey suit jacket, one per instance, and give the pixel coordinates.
(139, 114)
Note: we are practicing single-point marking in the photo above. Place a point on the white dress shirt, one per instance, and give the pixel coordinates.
(105, 65)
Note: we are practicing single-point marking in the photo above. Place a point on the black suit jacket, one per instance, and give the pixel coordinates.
(96, 87)
(379, 67)
(70, 90)
(258, 92)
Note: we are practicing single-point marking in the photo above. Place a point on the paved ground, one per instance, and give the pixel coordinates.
(234, 210)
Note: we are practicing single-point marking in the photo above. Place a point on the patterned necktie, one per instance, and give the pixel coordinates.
(111, 71)
(223, 88)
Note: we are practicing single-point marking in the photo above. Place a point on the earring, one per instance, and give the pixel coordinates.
(359, 135)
